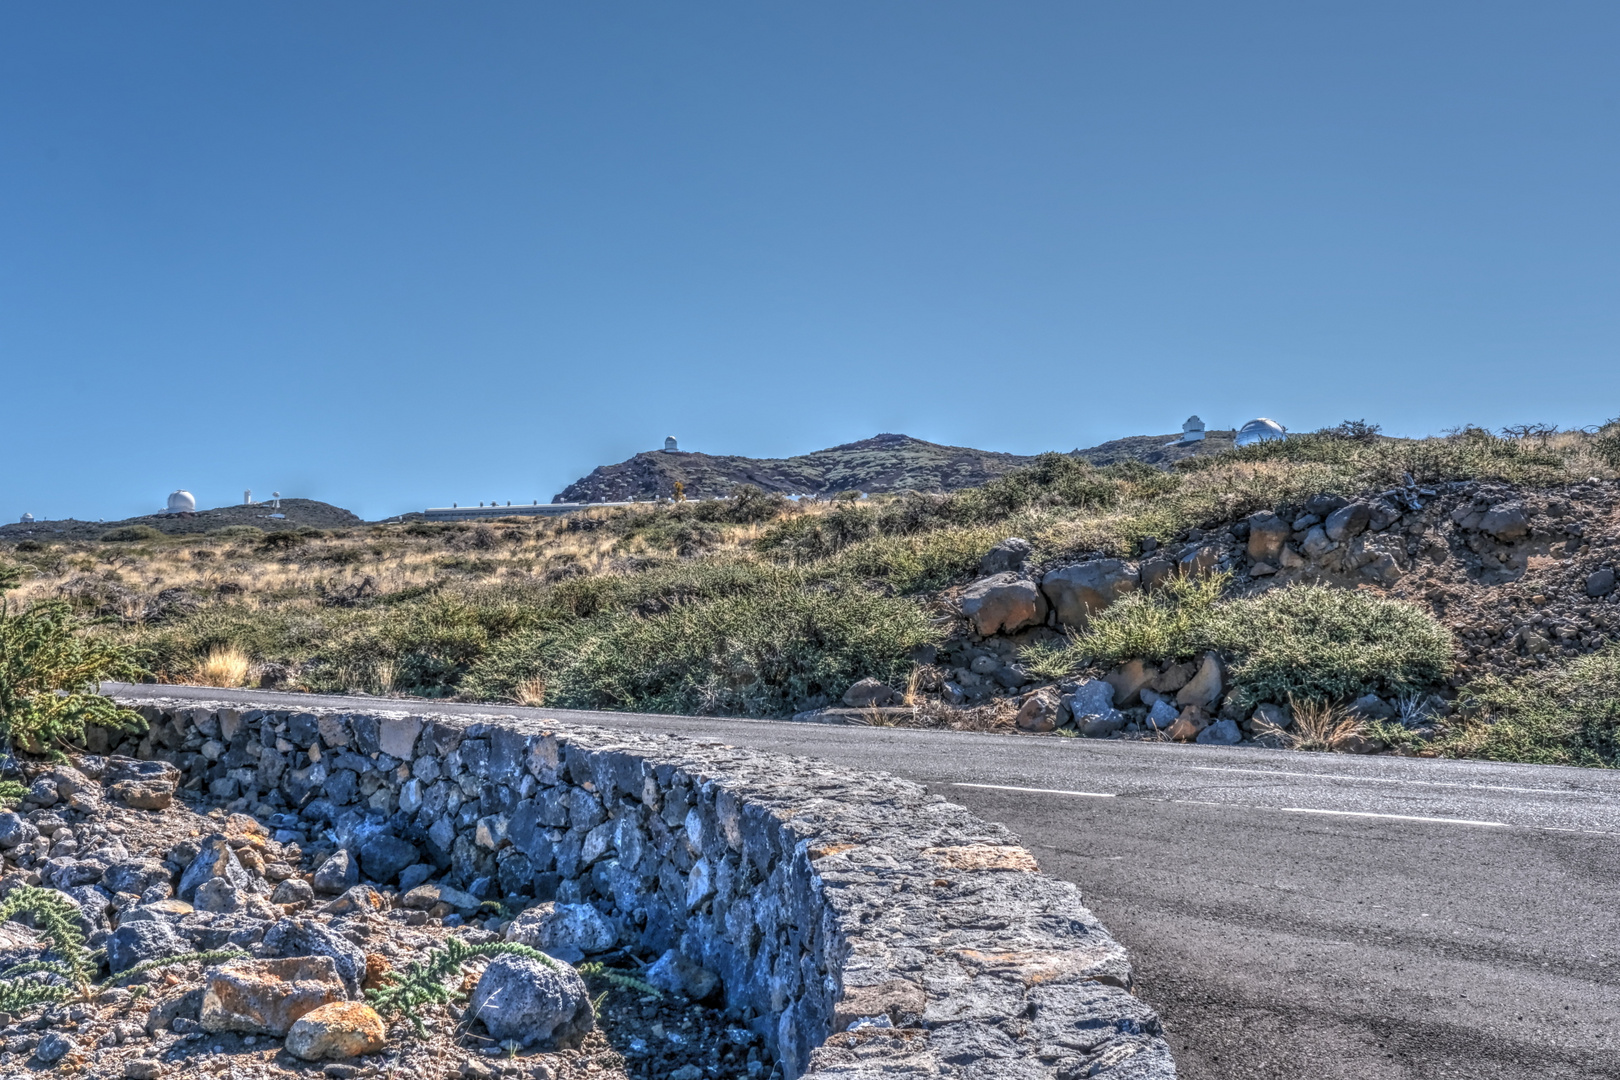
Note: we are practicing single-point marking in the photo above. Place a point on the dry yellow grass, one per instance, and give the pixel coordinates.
(227, 666)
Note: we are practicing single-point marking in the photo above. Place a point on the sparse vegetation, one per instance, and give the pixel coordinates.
(1563, 715)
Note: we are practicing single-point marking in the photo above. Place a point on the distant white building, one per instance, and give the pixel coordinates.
(182, 502)
(28, 519)
(669, 444)
(1192, 431)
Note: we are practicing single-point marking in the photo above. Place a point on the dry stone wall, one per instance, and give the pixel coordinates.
(864, 926)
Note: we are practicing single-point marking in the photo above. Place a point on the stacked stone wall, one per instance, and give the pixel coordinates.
(862, 925)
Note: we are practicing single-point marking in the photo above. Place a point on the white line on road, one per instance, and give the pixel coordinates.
(1391, 817)
(1041, 790)
(1389, 780)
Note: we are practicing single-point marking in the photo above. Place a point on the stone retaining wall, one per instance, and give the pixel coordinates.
(864, 926)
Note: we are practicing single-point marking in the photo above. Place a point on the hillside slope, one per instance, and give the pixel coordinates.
(295, 513)
(882, 463)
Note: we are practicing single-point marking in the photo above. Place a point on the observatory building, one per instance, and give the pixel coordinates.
(1261, 430)
(669, 444)
(181, 502)
(28, 519)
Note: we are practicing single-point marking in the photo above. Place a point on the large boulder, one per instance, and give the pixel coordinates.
(569, 932)
(1600, 583)
(1003, 604)
(1221, 733)
(265, 997)
(532, 1003)
(15, 829)
(1077, 592)
(1091, 703)
(1347, 522)
(134, 876)
(293, 937)
(143, 785)
(1268, 533)
(343, 1029)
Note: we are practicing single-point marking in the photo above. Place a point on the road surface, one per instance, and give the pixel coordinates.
(1291, 916)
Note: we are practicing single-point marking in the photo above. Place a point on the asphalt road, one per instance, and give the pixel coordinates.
(1290, 915)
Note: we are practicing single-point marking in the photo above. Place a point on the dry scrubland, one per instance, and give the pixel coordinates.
(757, 605)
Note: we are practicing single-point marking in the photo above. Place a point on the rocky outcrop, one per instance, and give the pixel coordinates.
(1003, 604)
(1078, 591)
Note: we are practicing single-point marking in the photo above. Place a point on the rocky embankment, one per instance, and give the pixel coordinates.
(1522, 578)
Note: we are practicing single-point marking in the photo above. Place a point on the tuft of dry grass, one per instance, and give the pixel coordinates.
(225, 666)
(531, 692)
(1320, 725)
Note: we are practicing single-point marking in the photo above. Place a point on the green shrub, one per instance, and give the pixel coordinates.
(1564, 715)
(1308, 642)
(131, 533)
(50, 668)
(762, 652)
(1170, 624)
(246, 532)
(1324, 644)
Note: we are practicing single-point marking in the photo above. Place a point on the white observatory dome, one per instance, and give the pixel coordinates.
(1261, 430)
(669, 443)
(182, 502)
(28, 519)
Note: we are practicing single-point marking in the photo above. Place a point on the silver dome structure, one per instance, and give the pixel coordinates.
(182, 502)
(28, 519)
(669, 444)
(1261, 430)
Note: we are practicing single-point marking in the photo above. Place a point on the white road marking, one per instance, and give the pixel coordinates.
(1389, 817)
(1388, 780)
(1041, 790)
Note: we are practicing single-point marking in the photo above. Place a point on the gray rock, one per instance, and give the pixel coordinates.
(532, 1003)
(1347, 521)
(1039, 712)
(1162, 715)
(1270, 716)
(1373, 707)
(214, 860)
(1222, 733)
(338, 874)
(1092, 705)
(1003, 604)
(868, 692)
(951, 694)
(1010, 554)
(54, 1047)
(569, 932)
(678, 975)
(383, 856)
(1599, 584)
(306, 937)
(1100, 727)
(1506, 521)
(1382, 514)
(1316, 543)
(135, 876)
(218, 896)
(15, 829)
(137, 942)
(293, 891)
(412, 876)
(1079, 591)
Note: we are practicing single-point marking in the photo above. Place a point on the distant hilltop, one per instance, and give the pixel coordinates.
(883, 463)
(289, 514)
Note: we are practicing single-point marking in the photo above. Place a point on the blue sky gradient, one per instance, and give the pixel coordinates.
(397, 255)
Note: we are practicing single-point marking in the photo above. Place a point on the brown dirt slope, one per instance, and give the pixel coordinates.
(296, 513)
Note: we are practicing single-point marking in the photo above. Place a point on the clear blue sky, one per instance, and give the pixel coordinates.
(399, 254)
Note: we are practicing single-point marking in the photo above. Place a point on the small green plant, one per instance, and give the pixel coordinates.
(218, 956)
(56, 918)
(11, 793)
(49, 671)
(1169, 624)
(1563, 715)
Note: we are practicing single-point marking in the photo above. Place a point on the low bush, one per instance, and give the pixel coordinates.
(1564, 715)
(131, 534)
(1306, 642)
(763, 652)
